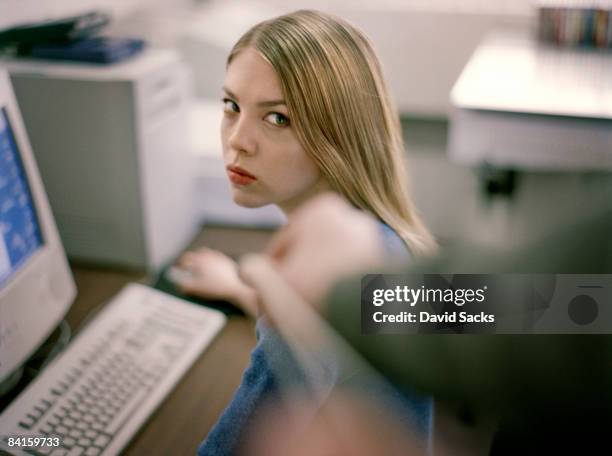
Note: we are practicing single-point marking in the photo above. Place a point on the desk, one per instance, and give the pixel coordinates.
(183, 420)
(521, 104)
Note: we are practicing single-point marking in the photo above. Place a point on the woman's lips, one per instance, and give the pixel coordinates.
(239, 176)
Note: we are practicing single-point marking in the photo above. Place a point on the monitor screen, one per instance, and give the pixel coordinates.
(20, 234)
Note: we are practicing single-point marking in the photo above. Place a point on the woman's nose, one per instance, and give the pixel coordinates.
(242, 136)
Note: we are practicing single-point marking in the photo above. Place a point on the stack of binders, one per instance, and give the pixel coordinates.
(575, 23)
(71, 38)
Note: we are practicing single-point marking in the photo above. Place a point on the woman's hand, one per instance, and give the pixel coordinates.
(215, 276)
(325, 240)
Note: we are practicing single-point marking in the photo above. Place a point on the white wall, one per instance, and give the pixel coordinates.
(17, 12)
(423, 45)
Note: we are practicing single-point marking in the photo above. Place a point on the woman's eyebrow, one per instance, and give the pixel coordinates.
(230, 93)
(261, 103)
(271, 103)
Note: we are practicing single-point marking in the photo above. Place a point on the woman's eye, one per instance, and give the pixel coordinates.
(230, 106)
(278, 119)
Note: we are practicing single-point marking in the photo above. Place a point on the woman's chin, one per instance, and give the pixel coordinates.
(247, 201)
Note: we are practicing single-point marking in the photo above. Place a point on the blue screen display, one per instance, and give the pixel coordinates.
(20, 235)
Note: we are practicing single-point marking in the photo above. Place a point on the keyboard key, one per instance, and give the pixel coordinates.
(85, 405)
(92, 451)
(82, 426)
(75, 433)
(69, 442)
(44, 450)
(53, 421)
(76, 451)
(97, 426)
(101, 441)
(27, 422)
(59, 452)
(68, 422)
(85, 442)
(40, 408)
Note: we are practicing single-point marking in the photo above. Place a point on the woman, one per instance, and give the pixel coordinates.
(335, 128)
(307, 111)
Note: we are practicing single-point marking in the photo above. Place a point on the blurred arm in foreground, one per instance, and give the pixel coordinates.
(549, 391)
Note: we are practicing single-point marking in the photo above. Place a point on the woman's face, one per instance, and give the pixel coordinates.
(264, 160)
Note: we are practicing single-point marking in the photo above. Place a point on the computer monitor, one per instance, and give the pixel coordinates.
(36, 285)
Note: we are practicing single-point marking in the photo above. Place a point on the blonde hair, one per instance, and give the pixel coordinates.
(344, 118)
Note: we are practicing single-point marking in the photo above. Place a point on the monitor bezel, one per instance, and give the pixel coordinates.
(35, 299)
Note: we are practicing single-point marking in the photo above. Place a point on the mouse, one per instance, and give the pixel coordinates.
(178, 275)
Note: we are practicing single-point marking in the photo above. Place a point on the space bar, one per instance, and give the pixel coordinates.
(126, 411)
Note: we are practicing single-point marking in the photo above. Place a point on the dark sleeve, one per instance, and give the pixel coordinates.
(509, 372)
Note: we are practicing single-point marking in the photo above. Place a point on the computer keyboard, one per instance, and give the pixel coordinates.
(97, 394)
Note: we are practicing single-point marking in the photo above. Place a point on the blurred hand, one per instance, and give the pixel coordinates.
(325, 240)
(215, 276)
(346, 424)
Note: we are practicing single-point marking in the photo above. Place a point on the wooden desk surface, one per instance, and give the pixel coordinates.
(183, 420)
